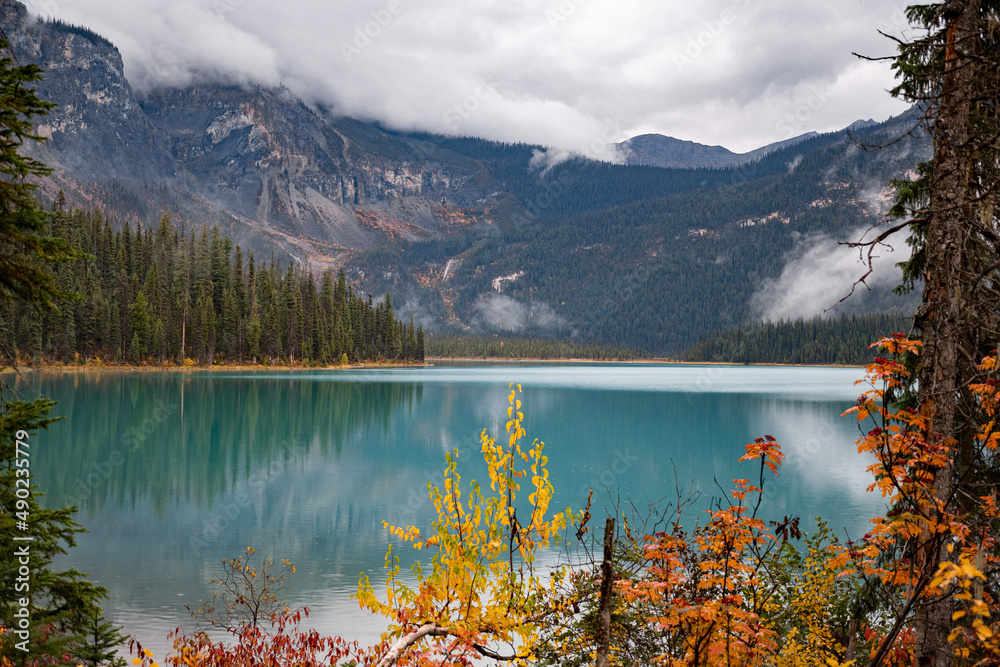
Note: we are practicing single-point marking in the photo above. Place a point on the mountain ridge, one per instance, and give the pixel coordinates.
(469, 233)
(659, 150)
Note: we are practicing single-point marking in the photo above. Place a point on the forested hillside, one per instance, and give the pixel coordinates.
(843, 340)
(506, 347)
(654, 259)
(188, 296)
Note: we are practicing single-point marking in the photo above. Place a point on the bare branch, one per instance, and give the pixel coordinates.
(406, 641)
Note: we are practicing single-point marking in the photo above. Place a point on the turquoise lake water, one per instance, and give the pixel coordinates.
(173, 472)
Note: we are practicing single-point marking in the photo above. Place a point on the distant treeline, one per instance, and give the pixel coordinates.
(80, 30)
(495, 347)
(843, 340)
(168, 295)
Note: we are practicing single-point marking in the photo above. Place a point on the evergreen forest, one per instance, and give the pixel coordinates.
(512, 347)
(188, 296)
(845, 341)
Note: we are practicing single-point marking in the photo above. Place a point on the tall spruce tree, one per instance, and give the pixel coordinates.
(24, 249)
(41, 609)
(952, 69)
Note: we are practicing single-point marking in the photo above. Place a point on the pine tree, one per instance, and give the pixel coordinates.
(55, 599)
(952, 68)
(24, 250)
(135, 350)
(141, 326)
(253, 337)
(114, 333)
(101, 641)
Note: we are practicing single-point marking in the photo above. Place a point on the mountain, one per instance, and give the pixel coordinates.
(657, 150)
(469, 235)
(255, 160)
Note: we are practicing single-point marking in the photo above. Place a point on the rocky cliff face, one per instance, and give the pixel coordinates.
(264, 156)
(255, 158)
(98, 126)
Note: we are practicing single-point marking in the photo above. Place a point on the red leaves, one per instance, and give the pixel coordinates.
(283, 645)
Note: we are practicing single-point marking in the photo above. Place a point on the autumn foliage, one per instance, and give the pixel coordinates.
(893, 558)
(483, 595)
(715, 586)
(262, 631)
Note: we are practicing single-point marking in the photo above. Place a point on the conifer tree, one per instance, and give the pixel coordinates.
(102, 638)
(43, 623)
(24, 250)
(952, 69)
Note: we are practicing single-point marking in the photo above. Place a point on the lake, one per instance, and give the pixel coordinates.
(175, 471)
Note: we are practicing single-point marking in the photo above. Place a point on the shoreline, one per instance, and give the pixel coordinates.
(173, 368)
(658, 361)
(427, 363)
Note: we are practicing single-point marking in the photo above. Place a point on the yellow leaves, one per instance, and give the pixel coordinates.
(480, 586)
(833, 662)
(408, 534)
(961, 573)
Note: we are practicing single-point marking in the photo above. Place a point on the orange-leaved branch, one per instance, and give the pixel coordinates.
(901, 552)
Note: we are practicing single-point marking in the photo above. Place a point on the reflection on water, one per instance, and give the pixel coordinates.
(174, 472)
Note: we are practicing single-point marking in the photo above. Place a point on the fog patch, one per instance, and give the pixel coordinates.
(821, 271)
(422, 315)
(498, 311)
(545, 160)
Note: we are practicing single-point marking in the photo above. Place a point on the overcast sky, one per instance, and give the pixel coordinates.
(572, 74)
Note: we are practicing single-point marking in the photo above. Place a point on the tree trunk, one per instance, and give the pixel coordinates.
(940, 314)
(607, 591)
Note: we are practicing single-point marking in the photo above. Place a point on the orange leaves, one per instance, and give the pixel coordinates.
(908, 463)
(262, 630)
(707, 587)
(767, 450)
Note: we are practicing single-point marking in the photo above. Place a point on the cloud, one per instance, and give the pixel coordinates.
(577, 75)
(544, 161)
(498, 311)
(422, 315)
(820, 272)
